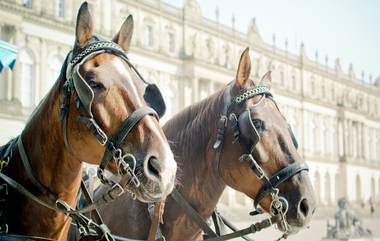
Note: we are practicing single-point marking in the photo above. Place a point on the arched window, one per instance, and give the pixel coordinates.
(373, 189)
(338, 192)
(54, 68)
(358, 189)
(282, 76)
(149, 37)
(327, 188)
(311, 136)
(294, 82)
(334, 142)
(312, 86)
(171, 42)
(317, 186)
(59, 8)
(27, 78)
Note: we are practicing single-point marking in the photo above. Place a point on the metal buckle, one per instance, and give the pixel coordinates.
(118, 186)
(4, 163)
(133, 178)
(259, 171)
(102, 137)
(4, 228)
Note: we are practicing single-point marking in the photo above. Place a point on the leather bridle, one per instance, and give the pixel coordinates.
(279, 205)
(125, 162)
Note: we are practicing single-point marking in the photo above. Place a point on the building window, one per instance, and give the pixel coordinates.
(27, 79)
(294, 82)
(27, 3)
(312, 87)
(171, 41)
(59, 8)
(149, 42)
(334, 140)
(282, 77)
(55, 64)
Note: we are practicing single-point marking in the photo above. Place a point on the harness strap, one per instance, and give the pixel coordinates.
(16, 237)
(219, 219)
(192, 213)
(156, 220)
(222, 124)
(123, 131)
(110, 195)
(29, 172)
(96, 215)
(256, 227)
(280, 177)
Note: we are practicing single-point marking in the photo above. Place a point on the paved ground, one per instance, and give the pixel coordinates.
(315, 232)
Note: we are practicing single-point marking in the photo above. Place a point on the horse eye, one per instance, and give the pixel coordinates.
(259, 124)
(95, 85)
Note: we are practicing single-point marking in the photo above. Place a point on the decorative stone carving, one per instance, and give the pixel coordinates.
(347, 224)
(192, 9)
(210, 49)
(253, 32)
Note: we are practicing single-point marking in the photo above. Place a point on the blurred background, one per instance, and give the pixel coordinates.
(191, 48)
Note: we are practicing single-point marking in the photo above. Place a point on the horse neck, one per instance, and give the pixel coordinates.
(192, 135)
(42, 137)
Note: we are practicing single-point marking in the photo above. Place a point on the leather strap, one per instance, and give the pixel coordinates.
(15, 237)
(123, 131)
(87, 196)
(29, 172)
(156, 220)
(280, 177)
(109, 196)
(192, 213)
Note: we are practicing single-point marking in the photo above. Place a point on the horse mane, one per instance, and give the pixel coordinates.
(191, 128)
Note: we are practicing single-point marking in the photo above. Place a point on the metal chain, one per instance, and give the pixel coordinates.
(258, 90)
(94, 47)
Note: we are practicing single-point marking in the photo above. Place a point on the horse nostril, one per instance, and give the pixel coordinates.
(154, 167)
(304, 207)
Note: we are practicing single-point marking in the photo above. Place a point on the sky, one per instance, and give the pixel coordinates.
(344, 29)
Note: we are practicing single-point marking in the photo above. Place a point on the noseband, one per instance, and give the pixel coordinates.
(243, 124)
(126, 162)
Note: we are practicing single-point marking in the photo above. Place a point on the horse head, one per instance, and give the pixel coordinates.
(110, 116)
(264, 162)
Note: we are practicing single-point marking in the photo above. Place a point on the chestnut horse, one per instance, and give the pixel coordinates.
(194, 134)
(105, 100)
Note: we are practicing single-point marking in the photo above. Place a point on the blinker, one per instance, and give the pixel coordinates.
(247, 127)
(154, 99)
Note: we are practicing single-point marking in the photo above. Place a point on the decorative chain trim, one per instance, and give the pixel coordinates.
(92, 47)
(258, 90)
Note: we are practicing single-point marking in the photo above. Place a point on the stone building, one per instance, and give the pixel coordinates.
(334, 114)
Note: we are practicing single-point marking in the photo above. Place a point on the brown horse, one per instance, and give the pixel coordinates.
(192, 134)
(56, 153)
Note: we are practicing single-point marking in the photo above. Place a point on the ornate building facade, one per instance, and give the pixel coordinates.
(335, 116)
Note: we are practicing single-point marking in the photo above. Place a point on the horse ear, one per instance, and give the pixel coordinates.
(244, 69)
(266, 80)
(124, 36)
(84, 27)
